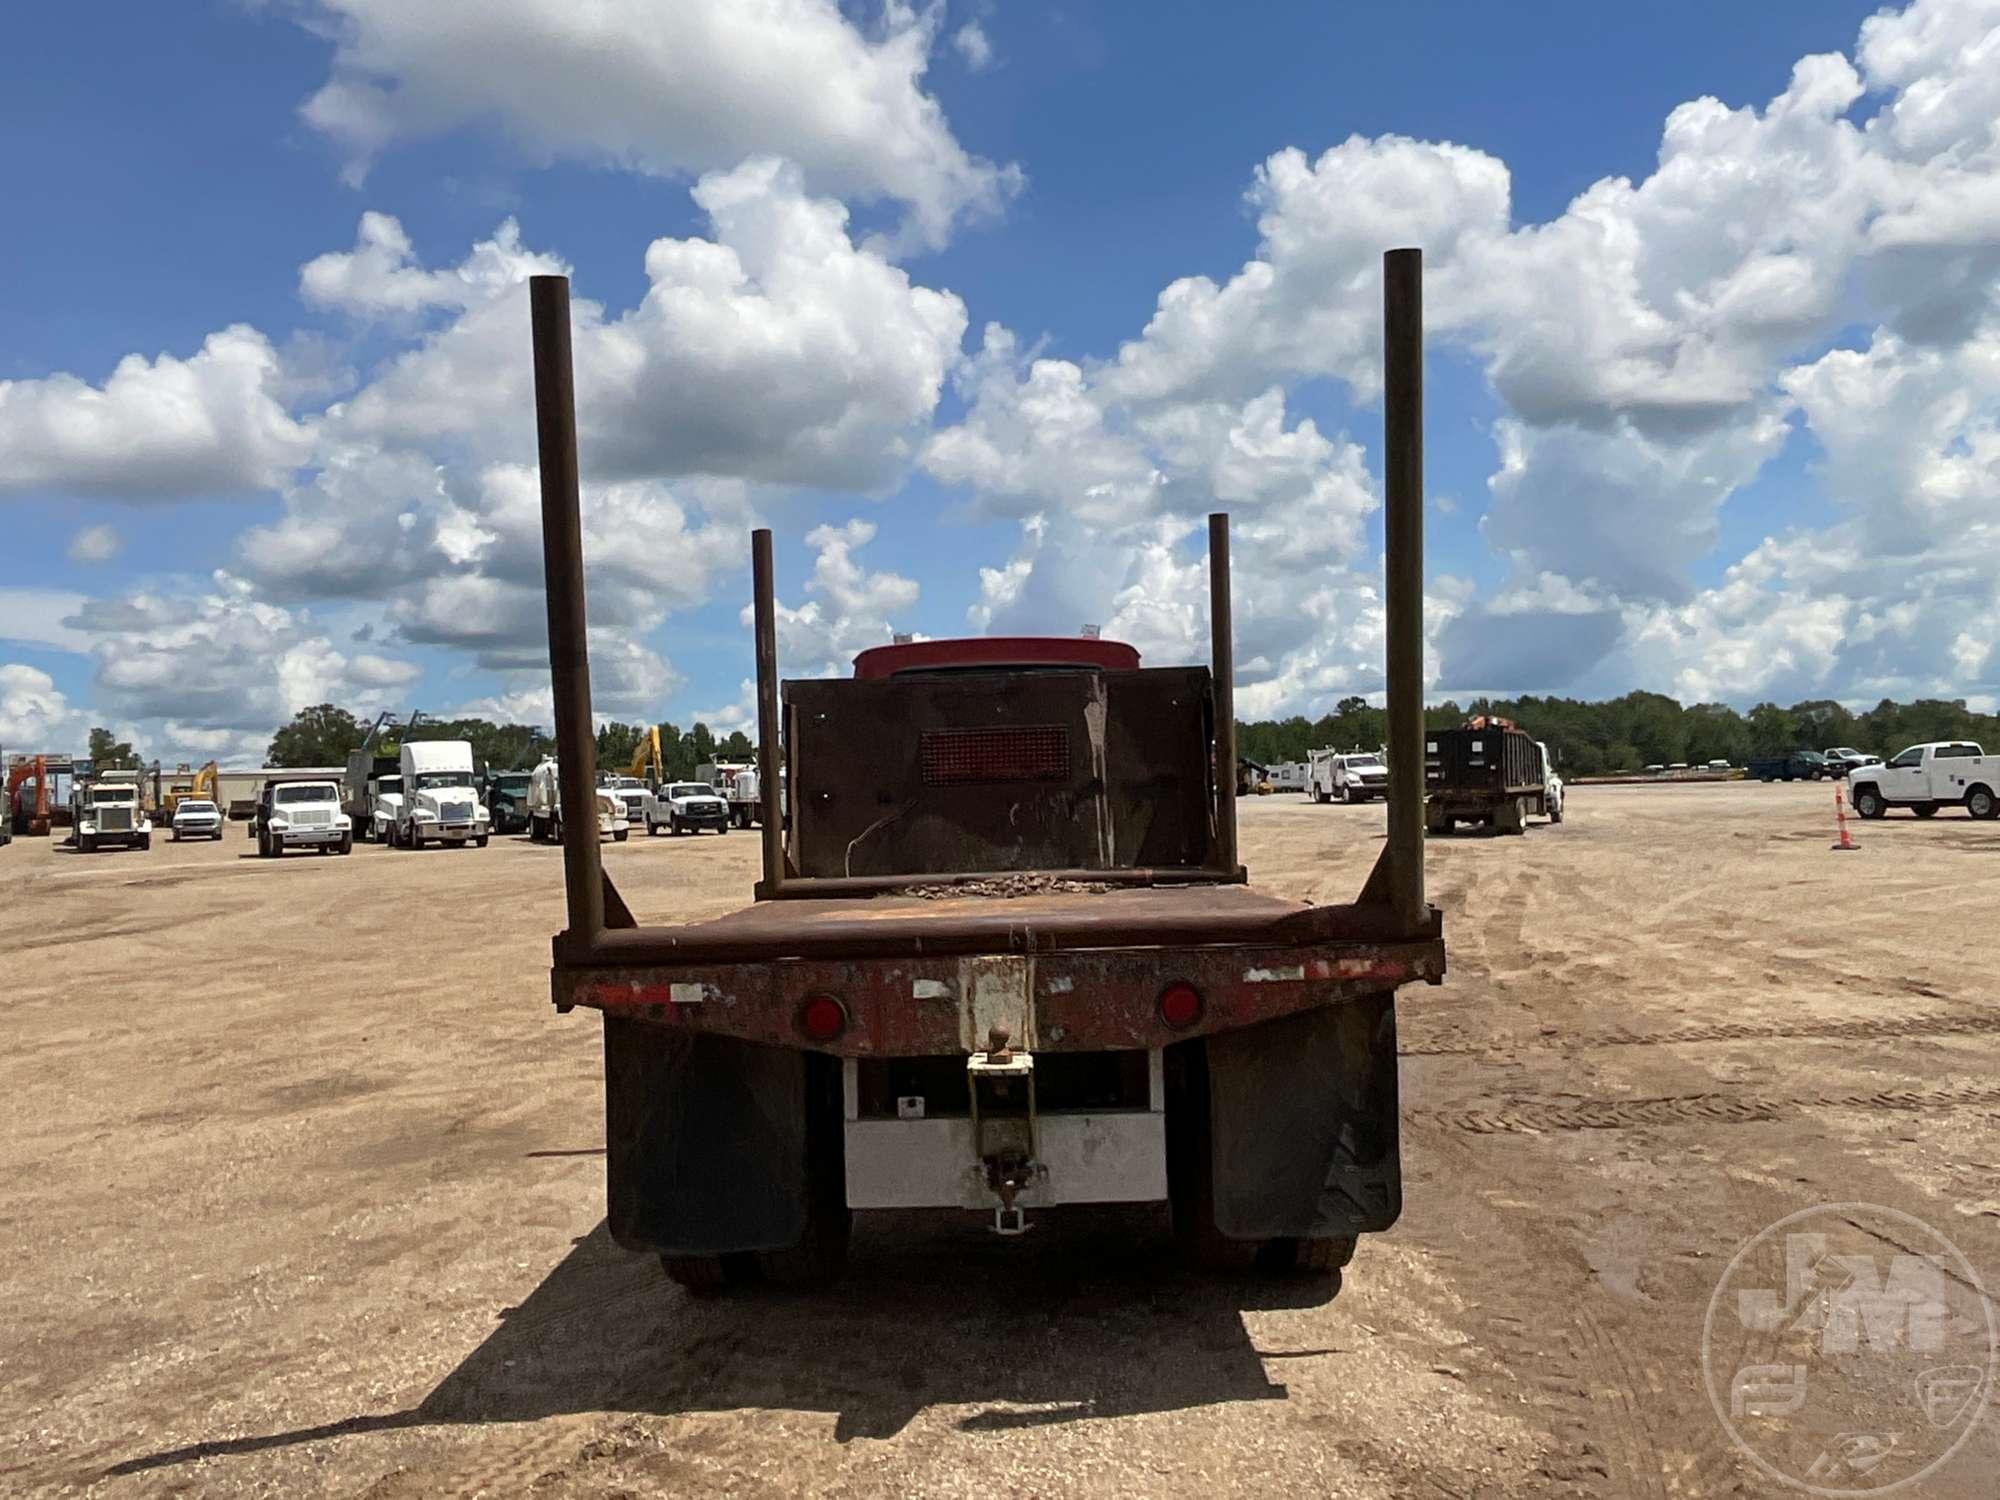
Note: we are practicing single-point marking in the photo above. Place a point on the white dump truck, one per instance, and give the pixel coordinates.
(440, 798)
(545, 823)
(1926, 777)
(301, 812)
(105, 810)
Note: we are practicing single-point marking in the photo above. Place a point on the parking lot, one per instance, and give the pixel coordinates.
(305, 1185)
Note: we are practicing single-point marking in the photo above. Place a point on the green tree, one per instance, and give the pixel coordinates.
(1773, 731)
(616, 745)
(109, 754)
(736, 746)
(318, 736)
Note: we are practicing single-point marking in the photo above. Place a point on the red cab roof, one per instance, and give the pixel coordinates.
(996, 652)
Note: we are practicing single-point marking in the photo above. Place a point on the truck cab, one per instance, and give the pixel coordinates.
(304, 813)
(106, 810)
(440, 804)
(507, 800)
(1925, 777)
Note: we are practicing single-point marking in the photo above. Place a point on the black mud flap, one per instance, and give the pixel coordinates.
(1302, 1118)
(705, 1141)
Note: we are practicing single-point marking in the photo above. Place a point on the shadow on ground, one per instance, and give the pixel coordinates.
(1093, 1318)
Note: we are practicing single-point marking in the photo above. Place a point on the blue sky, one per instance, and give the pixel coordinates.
(1054, 168)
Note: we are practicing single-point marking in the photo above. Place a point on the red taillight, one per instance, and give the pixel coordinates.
(1180, 1005)
(822, 1018)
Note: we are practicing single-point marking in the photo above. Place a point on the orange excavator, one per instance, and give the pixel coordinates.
(30, 793)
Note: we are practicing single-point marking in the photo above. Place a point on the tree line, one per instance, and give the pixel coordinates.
(1642, 729)
(1620, 734)
(325, 734)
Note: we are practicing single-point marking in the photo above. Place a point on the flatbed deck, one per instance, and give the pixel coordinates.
(909, 926)
(909, 969)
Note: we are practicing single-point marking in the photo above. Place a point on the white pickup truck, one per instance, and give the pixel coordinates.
(687, 807)
(1924, 778)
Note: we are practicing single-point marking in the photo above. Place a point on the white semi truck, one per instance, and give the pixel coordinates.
(440, 798)
(105, 810)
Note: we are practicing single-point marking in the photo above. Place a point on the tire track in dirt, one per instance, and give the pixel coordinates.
(1461, 1043)
(1542, 1116)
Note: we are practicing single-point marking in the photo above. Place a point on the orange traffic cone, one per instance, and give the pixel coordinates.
(1846, 843)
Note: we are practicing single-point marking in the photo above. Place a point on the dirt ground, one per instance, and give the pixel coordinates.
(303, 1187)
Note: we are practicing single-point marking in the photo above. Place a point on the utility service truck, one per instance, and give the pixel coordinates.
(1346, 776)
(1926, 777)
(1005, 959)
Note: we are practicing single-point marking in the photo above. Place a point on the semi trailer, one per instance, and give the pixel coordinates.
(1004, 959)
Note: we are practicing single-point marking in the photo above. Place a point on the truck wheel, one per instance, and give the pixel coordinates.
(621, 834)
(1980, 803)
(651, 828)
(821, 1254)
(1925, 809)
(1512, 817)
(347, 844)
(703, 1275)
(1313, 1257)
(87, 843)
(481, 840)
(1868, 802)
(145, 841)
(1191, 1168)
(1556, 811)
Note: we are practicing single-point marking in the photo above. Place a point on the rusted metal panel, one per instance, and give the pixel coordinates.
(1091, 1000)
(999, 771)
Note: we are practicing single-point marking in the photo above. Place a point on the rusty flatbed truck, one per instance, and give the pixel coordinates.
(1004, 958)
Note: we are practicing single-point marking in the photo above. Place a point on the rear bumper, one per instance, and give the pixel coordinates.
(1083, 1000)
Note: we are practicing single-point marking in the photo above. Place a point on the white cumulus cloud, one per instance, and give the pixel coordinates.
(683, 88)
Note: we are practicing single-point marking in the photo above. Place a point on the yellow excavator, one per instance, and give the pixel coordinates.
(201, 787)
(648, 764)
